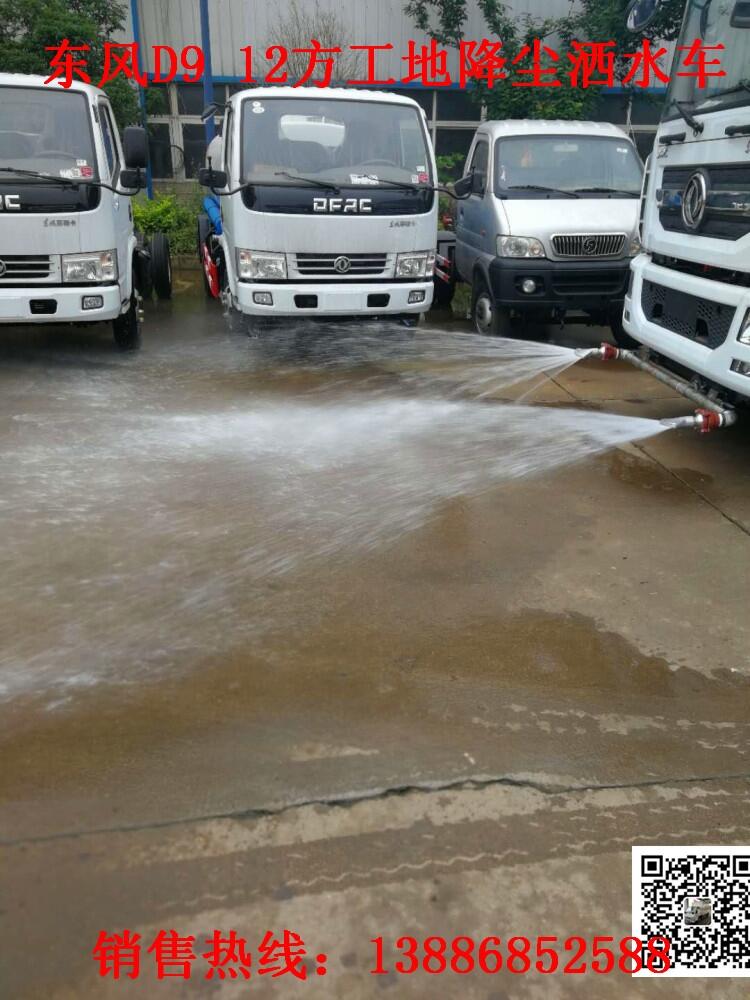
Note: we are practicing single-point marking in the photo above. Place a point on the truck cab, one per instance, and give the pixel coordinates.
(547, 224)
(328, 205)
(688, 302)
(68, 250)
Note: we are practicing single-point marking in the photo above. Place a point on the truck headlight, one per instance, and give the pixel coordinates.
(261, 265)
(519, 246)
(77, 267)
(415, 265)
(744, 335)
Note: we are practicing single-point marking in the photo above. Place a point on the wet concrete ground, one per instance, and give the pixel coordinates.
(232, 702)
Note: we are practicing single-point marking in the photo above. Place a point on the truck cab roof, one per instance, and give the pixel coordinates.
(323, 94)
(532, 126)
(31, 80)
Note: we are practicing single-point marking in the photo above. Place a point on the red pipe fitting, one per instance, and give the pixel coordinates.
(609, 353)
(710, 420)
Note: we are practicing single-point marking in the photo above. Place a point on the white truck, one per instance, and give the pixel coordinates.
(68, 249)
(328, 205)
(688, 300)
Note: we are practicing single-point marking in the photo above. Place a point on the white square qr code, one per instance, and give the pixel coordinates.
(699, 899)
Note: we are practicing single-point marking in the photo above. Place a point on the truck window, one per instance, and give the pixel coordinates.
(110, 143)
(47, 129)
(341, 141)
(478, 166)
(566, 162)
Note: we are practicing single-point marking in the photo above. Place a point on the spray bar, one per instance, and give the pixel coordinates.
(709, 417)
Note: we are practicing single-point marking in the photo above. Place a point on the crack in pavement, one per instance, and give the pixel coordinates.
(477, 782)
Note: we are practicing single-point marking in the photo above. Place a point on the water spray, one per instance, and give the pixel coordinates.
(709, 416)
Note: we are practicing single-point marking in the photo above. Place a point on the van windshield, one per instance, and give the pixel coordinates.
(527, 165)
(46, 130)
(333, 141)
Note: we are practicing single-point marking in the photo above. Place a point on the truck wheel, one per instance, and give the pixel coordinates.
(161, 266)
(486, 316)
(621, 338)
(127, 327)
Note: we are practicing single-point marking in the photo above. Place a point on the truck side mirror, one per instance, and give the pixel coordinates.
(135, 146)
(132, 179)
(641, 13)
(211, 178)
(464, 186)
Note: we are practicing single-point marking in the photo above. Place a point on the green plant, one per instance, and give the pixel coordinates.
(165, 214)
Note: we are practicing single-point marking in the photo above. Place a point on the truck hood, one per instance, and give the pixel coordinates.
(40, 234)
(546, 217)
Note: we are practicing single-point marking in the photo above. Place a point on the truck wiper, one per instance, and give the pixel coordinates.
(694, 124)
(540, 187)
(608, 190)
(308, 180)
(40, 176)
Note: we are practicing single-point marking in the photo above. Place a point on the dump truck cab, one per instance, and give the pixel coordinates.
(68, 250)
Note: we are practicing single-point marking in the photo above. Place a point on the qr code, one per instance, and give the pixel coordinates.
(699, 899)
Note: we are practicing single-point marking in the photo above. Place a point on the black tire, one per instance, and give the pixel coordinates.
(621, 338)
(161, 266)
(444, 292)
(142, 270)
(127, 328)
(487, 318)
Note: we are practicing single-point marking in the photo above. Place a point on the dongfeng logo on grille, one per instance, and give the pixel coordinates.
(694, 199)
(342, 264)
(3, 268)
(589, 246)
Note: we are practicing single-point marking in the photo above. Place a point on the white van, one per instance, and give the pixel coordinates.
(550, 222)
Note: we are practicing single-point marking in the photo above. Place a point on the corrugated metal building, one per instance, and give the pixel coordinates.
(178, 137)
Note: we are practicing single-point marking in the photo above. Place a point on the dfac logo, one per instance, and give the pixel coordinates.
(694, 199)
(10, 202)
(342, 264)
(342, 204)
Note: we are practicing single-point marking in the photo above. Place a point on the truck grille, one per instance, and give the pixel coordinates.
(589, 244)
(698, 319)
(339, 265)
(25, 267)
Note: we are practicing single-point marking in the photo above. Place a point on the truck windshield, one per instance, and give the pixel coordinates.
(547, 166)
(714, 22)
(333, 141)
(46, 130)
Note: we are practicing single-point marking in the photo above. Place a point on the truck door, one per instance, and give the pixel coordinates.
(120, 203)
(473, 216)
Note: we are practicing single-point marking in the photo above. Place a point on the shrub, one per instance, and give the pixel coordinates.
(165, 214)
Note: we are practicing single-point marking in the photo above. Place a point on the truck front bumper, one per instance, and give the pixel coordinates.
(691, 320)
(57, 304)
(336, 299)
(570, 286)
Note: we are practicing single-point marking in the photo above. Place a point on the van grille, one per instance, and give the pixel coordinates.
(351, 265)
(25, 267)
(589, 244)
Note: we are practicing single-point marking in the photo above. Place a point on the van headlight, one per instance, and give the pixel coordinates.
(78, 267)
(635, 247)
(519, 246)
(415, 265)
(261, 265)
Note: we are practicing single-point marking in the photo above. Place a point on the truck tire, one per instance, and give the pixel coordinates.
(161, 266)
(621, 338)
(127, 327)
(487, 318)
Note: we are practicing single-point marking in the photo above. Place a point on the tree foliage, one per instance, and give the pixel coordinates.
(29, 27)
(591, 21)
